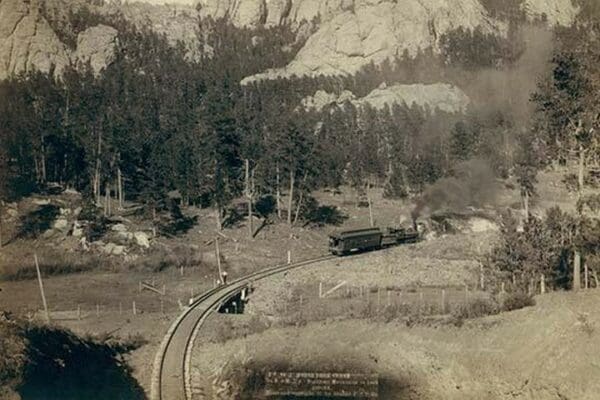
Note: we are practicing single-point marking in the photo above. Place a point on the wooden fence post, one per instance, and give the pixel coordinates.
(320, 289)
(134, 310)
(481, 277)
(443, 301)
(543, 284)
(289, 256)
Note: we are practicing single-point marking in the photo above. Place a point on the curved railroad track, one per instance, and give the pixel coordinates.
(171, 378)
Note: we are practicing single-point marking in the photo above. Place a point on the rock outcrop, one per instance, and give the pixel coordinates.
(354, 33)
(556, 12)
(295, 12)
(177, 20)
(376, 30)
(96, 45)
(437, 96)
(27, 41)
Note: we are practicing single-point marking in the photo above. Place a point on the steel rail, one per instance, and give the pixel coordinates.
(171, 378)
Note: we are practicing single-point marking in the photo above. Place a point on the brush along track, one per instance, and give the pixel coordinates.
(171, 372)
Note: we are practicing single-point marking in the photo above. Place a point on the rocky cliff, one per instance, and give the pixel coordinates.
(271, 12)
(27, 41)
(349, 33)
(435, 96)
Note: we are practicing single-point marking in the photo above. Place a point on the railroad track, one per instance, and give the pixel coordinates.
(171, 378)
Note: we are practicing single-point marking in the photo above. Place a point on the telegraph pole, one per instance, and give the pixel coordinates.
(39, 275)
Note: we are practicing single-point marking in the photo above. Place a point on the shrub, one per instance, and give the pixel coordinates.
(475, 308)
(517, 300)
(38, 221)
(585, 324)
(12, 348)
(159, 259)
(51, 264)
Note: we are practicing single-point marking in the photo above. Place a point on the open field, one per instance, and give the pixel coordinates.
(541, 352)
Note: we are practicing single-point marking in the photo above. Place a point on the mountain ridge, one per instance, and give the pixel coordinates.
(345, 36)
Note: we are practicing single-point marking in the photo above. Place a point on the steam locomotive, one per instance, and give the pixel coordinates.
(345, 242)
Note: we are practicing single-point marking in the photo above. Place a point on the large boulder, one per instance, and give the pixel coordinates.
(141, 239)
(61, 224)
(118, 228)
(113, 249)
(77, 229)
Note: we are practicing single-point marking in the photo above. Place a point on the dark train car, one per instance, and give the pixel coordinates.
(369, 239)
(355, 240)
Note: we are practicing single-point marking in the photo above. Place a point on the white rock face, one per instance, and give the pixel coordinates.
(274, 12)
(141, 239)
(353, 33)
(373, 31)
(27, 41)
(96, 45)
(322, 99)
(557, 12)
(442, 96)
(178, 21)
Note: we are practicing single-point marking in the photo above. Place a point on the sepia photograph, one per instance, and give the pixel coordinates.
(299, 199)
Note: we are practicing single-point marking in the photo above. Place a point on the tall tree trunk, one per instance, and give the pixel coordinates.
(371, 220)
(43, 161)
(278, 193)
(298, 208)
(219, 214)
(1, 212)
(249, 193)
(297, 214)
(580, 182)
(97, 170)
(36, 165)
(65, 156)
(581, 171)
(120, 188)
(526, 205)
(107, 199)
(577, 270)
(291, 198)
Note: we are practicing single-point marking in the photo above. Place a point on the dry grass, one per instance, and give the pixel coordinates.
(52, 263)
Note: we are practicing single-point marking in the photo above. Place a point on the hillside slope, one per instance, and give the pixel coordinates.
(542, 352)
